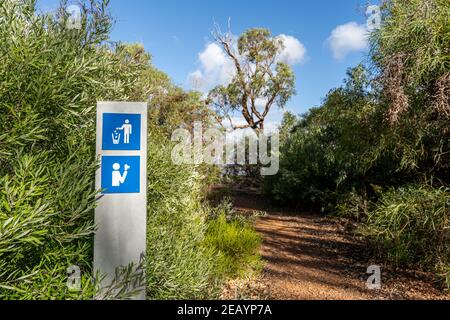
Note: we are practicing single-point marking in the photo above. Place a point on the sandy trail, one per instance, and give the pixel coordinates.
(312, 257)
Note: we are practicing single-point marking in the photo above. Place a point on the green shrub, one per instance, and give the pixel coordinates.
(236, 243)
(50, 81)
(178, 266)
(192, 247)
(328, 151)
(412, 226)
(43, 232)
(353, 205)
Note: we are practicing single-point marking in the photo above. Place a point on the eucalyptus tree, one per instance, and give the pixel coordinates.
(260, 79)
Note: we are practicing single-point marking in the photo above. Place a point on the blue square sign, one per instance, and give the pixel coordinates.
(121, 131)
(121, 174)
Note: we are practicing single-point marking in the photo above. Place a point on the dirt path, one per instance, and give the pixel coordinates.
(311, 257)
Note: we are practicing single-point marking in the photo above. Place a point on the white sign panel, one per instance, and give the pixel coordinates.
(121, 214)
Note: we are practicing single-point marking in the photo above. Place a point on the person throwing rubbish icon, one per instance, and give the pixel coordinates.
(127, 129)
(117, 178)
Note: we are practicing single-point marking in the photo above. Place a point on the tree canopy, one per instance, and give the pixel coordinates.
(260, 79)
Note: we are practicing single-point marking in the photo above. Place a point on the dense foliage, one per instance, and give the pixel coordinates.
(51, 77)
(49, 85)
(411, 224)
(377, 149)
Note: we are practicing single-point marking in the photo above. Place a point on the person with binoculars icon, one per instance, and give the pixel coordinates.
(117, 178)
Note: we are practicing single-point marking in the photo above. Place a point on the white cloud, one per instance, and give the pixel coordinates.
(217, 69)
(347, 38)
(294, 51)
(212, 57)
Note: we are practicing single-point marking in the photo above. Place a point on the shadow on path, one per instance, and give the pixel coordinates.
(312, 257)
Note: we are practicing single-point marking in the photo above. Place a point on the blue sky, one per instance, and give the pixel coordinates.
(175, 32)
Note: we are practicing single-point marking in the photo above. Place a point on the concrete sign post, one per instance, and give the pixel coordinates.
(121, 214)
